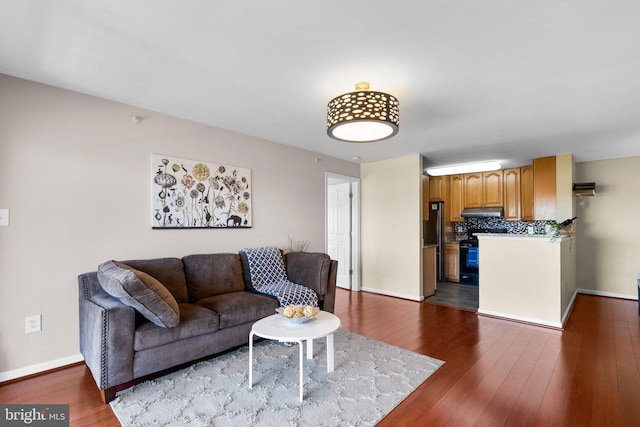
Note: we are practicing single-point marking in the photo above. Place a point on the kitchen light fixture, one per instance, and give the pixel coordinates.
(464, 168)
(363, 116)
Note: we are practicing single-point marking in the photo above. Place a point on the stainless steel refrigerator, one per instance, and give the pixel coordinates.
(434, 234)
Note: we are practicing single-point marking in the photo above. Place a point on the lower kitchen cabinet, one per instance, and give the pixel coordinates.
(452, 262)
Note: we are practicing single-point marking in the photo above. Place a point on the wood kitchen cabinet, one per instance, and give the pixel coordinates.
(483, 189)
(438, 188)
(473, 184)
(544, 189)
(493, 188)
(456, 197)
(512, 194)
(526, 192)
(429, 271)
(451, 262)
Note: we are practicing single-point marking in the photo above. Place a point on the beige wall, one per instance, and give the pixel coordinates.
(391, 192)
(568, 281)
(75, 174)
(608, 254)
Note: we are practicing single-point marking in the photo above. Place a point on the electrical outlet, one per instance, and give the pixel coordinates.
(33, 323)
(4, 217)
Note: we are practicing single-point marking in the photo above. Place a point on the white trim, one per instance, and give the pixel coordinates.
(567, 311)
(355, 221)
(355, 241)
(392, 294)
(607, 294)
(40, 367)
(556, 325)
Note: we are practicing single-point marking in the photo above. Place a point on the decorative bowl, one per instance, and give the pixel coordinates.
(298, 314)
(303, 319)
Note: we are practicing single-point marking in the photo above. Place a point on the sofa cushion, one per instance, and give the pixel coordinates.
(194, 321)
(212, 274)
(235, 308)
(141, 291)
(169, 271)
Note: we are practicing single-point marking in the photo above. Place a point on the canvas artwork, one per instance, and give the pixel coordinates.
(196, 194)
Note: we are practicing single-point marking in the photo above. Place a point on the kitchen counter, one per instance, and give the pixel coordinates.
(527, 277)
(529, 237)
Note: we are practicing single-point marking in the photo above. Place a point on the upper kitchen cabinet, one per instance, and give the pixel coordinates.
(526, 192)
(438, 188)
(493, 191)
(483, 189)
(473, 184)
(512, 194)
(544, 189)
(456, 197)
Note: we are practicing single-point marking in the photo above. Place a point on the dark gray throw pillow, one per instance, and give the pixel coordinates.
(141, 291)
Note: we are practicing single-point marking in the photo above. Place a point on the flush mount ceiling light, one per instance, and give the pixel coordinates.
(363, 116)
(464, 168)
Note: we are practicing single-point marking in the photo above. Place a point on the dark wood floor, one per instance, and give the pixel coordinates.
(456, 295)
(497, 372)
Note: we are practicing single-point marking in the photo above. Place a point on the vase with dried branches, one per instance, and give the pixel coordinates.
(297, 245)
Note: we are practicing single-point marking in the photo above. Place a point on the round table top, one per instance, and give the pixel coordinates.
(278, 327)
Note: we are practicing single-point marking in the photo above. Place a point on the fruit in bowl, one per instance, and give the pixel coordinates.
(298, 313)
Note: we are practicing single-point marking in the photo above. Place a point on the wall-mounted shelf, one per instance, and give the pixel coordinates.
(584, 189)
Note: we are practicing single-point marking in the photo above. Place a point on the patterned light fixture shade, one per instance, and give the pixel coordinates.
(363, 116)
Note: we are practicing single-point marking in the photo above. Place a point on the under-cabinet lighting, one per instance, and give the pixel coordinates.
(464, 168)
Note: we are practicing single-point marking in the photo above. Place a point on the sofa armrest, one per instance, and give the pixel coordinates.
(316, 271)
(107, 328)
(330, 297)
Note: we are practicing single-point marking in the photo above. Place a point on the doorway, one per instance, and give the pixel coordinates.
(342, 227)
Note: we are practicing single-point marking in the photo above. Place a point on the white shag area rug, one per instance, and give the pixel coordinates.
(370, 379)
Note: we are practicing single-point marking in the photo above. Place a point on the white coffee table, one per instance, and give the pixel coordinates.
(279, 328)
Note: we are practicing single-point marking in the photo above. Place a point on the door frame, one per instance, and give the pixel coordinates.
(330, 177)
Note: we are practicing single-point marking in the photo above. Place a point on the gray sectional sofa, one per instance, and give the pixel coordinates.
(175, 311)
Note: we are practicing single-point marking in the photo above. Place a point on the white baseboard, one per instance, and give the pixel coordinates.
(567, 311)
(40, 367)
(607, 294)
(391, 294)
(524, 319)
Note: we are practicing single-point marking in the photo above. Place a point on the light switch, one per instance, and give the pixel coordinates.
(4, 217)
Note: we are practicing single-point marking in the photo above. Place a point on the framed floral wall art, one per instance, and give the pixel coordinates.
(196, 194)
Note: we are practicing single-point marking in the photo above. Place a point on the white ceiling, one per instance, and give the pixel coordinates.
(476, 80)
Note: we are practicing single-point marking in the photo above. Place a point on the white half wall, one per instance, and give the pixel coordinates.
(391, 192)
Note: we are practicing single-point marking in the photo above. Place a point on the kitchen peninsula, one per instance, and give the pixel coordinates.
(529, 278)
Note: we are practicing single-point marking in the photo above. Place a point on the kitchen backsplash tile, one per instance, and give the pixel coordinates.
(513, 227)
